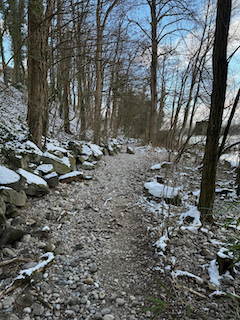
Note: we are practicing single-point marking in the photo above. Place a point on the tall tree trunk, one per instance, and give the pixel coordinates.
(97, 111)
(98, 60)
(153, 111)
(3, 59)
(220, 65)
(37, 84)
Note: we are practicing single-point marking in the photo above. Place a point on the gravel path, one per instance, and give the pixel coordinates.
(101, 268)
(105, 265)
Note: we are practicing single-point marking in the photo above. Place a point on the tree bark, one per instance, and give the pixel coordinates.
(220, 67)
(153, 111)
(97, 111)
(37, 116)
(37, 85)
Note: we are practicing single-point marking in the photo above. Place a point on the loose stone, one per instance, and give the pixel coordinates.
(89, 281)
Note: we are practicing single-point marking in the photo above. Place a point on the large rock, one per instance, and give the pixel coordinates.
(28, 150)
(45, 169)
(88, 165)
(76, 148)
(97, 151)
(61, 165)
(86, 153)
(12, 196)
(72, 176)
(11, 235)
(13, 160)
(35, 186)
(160, 191)
(11, 179)
(11, 211)
(52, 179)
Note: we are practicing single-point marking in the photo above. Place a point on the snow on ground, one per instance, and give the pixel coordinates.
(161, 191)
(177, 234)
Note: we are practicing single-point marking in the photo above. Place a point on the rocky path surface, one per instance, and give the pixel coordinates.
(101, 233)
(102, 259)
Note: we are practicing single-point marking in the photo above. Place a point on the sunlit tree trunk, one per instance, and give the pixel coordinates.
(220, 67)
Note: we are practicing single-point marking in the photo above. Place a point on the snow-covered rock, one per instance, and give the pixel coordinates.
(35, 185)
(52, 179)
(130, 150)
(72, 176)
(61, 165)
(161, 191)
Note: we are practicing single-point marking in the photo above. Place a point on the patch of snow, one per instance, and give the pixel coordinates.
(217, 293)
(216, 242)
(196, 224)
(162, 242)
(224, 253)
(52, 147)
(204, 230)
(8, 176)
(185, 273)
(46, 228)
(31, 178)
(29, 145)
(86, 150)
(45, 168)
(160, 190)
(63, 160)
(28, 272)
(159, 269)
(89, 164)
(71, 174)
(196, 193)
(95, 149)
(51, 175)
(156, 166)
(214, 273)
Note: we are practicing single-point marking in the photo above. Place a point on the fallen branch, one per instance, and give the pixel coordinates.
(188, 289)
(6, 262)
(26, 274)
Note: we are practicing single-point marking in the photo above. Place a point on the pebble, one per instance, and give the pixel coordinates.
(101, 295)
(120, 301)
(7, 252)
(26, 238)
(27, 310)
(105, 311)
(108, 317)
(89, 281)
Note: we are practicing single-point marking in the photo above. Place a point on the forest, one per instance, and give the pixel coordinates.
(143, 67)
(163, 72)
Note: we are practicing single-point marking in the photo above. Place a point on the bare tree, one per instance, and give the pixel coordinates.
(38, 24)
(101, 19)
(220, 66)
